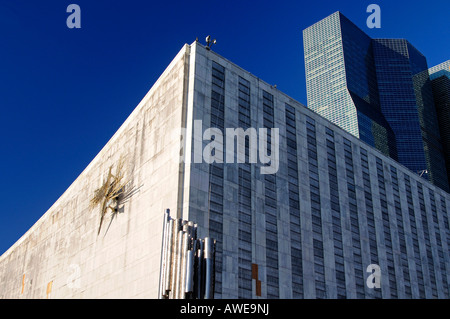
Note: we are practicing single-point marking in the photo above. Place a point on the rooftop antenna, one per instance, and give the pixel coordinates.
(209, 42)
(422, 172)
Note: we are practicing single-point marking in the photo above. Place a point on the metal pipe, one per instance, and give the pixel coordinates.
(209, 268)
(190, 229)
(189, 287)
(187, 264)
(163, 252)
(182, 280)
(193, 286)
(200, 270)
(213, 279)
(165, 263)
(176, 235)
(168, 274)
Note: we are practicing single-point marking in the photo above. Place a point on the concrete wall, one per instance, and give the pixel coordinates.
(62, 256)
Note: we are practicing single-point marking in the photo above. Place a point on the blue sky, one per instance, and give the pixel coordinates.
(64, 92)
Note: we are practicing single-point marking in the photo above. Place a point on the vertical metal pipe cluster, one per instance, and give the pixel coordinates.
(187, 263)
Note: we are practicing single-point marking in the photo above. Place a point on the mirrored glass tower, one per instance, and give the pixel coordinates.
(376, 89)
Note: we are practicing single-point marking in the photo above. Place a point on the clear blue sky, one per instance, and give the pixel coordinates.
(64, 92)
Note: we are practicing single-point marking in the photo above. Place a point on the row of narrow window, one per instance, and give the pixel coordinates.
(245, 204)
(270, 206)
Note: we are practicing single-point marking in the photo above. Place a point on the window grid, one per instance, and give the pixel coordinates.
(401, 232)
(244, 197)
(270, 205)
(438, 241)
(426, 233)
(370, 213)
(415, 238)
(319, 269)
(216, 173)
(335, 215)
(354, 220)
(294, 204)
(386, 228)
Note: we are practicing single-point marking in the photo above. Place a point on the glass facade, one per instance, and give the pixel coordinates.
(325, 74)
(398, 101)
(434, 155)
(377, 90)
(440, 82)
(408, 105)
(341, 81)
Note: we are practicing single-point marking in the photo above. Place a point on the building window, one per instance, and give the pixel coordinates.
(270, 205)
(319, 269)
(354, 220)
(415, 238)
(369, 213)
(244, 196)
(444, 215)
(426, 233)
(386, 228)
(437, 233)
(216, 173)
(294, 204)
(335, 214)
(401, 232)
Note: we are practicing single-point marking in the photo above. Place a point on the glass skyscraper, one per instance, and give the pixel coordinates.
(343, 87)
(376, 89)
(440, 80)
